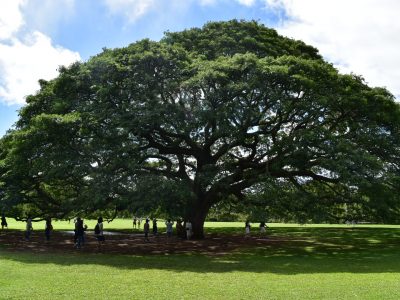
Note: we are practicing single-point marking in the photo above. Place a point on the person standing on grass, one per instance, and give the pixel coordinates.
(3, 221)
(155, 227)
(84, 232)
(29, 228)
(134, 222)
(188, 229)
(146, 229)
(75, 236)
(180, 231)
(139, 221)
(98, 231)
(263, 227)
(48, 229)
(169, 224)
(247, 227)
(79, 231)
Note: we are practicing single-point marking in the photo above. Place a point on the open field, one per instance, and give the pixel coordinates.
(291, 262)
(126, 224)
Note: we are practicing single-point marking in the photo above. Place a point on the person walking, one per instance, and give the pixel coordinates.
(169, 224)
(146, 229)
(48, 229)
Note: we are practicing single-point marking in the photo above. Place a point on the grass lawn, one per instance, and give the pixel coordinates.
(309, 262)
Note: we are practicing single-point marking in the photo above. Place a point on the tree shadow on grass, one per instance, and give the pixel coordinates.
(284, 251)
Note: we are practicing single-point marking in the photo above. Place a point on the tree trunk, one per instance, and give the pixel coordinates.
(197, 218)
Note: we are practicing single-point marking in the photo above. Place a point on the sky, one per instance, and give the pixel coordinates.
(38, 36)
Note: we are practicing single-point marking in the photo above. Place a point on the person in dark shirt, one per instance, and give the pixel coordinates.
(79, 231)
(146, 230)
(155, 227)
(48, 229)
(3, 222)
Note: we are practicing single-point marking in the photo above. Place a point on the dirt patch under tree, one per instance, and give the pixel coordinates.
(125, 243)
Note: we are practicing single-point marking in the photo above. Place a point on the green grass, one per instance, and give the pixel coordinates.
(310, 262)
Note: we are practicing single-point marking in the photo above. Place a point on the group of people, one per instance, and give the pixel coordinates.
(48, 228)
(80, 229)
(184, 233)
(247, 227)
(136, 222)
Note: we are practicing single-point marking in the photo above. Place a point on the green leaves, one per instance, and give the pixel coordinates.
(203, 116)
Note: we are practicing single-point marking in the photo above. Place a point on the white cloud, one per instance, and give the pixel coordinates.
(131, 9)
(10, 17)
(22, 64)
(25, 56)
(246, 2)
(359, 36)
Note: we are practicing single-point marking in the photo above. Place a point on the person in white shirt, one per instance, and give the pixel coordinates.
(247, 228)
(189, 228)
(170, 229)
(99, 231)
(263, 227)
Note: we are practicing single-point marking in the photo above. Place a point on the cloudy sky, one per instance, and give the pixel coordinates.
(37, 36)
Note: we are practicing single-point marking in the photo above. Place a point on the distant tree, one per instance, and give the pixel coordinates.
(199, 117)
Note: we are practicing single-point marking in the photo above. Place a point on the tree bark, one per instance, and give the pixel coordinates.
(197, 217)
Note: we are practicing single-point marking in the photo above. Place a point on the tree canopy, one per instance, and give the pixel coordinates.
(229, 112)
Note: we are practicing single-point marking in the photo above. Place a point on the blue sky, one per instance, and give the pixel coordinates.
(36, 36)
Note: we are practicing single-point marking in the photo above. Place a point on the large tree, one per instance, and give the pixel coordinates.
(202, 116)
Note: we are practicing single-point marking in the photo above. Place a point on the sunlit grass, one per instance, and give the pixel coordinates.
(192, 277)
(308, 262)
